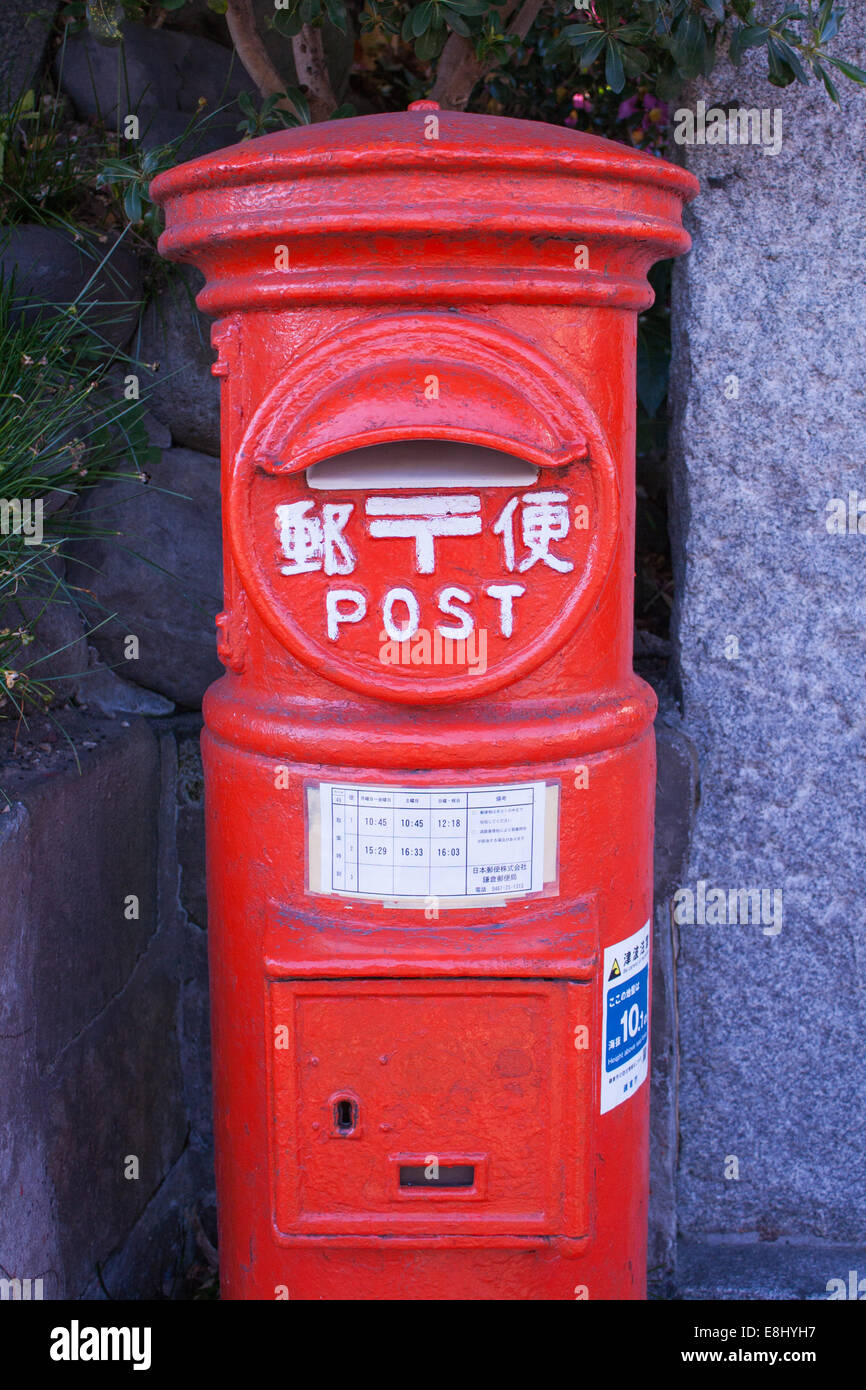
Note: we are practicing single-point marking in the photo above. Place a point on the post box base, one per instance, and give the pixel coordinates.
(544, 1273)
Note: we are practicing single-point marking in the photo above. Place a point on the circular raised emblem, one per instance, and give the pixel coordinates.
(424, 563)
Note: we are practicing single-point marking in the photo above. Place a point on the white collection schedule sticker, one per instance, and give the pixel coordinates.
(442, 842)
(625, 1046)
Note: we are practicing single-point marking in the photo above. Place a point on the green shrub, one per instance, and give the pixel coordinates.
(66, 424)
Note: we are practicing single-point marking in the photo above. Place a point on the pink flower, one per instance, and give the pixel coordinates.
(656, 112)
(629, 107)
(581, 102)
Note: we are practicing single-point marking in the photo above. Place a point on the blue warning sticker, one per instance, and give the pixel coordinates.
(625, 1035)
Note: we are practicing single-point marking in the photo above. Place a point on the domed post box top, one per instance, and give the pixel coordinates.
(540, 214)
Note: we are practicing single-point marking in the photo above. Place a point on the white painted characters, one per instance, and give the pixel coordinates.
(400, 611)
(312, 542)
(531, 526)
(544, 519)
(424, 518)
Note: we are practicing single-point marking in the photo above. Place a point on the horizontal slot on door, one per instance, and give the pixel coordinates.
(456, 1175)
(444, 1177)
(420, 463)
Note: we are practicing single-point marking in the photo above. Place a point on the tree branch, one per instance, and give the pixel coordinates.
(459, 69)
(309, 55)
(252, 52)
(312, 69)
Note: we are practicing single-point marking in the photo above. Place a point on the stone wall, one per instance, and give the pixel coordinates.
(105, 1135)
(105, 1126)
(769, 426)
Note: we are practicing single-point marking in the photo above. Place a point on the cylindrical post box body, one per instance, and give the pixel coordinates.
(429, 766)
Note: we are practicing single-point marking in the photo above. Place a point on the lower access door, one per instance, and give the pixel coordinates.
(431, 1107)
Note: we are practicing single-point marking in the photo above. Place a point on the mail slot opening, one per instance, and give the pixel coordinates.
(415, 463)
(345, 1115)
(437, 1175)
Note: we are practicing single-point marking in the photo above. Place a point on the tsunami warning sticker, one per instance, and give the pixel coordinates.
(625, 1029)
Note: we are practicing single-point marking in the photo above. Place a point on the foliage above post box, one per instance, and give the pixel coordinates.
(505, 57)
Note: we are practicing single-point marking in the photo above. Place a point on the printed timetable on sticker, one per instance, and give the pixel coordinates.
(442, 842)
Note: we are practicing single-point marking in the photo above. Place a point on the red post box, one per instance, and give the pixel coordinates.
(429, 766)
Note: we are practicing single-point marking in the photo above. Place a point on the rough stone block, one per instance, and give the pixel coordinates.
(162, 78)
(676, 796)
(190, 829)
(24, 29)
(51, 269)
(93, 1034)
(769, 340)
(183, 391)
(114, 1117)
(92, 837)
(774, 1270)
(161, 574)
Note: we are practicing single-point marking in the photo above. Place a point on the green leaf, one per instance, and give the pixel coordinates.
(470, 7)
(849, 70)
(668, 85)
(132, 203)
(343, 112)
(288, 23)
(429, 44)
(456, 22)
(591, 52)
(653, 363)
(718, 9)
(336, 12)
(579, 34)
(218, 6)
(614, 72)
(634, 61)
(747, 36)
(828, 83)
(421, 18)
(829, 21)
(830, 29)
(631, 33)
(787, 54)
(300, 103)
(689, 45)
(779, 71)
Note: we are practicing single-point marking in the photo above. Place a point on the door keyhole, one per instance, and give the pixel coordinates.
(345, 1115)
